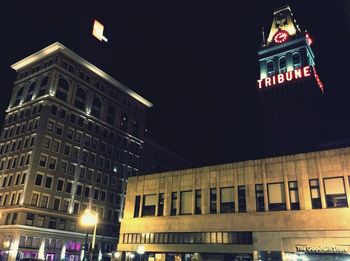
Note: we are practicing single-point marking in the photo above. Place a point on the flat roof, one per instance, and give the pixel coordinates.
(57, 46)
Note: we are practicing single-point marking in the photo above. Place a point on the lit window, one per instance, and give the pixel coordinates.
(277, 198)
(335, 192)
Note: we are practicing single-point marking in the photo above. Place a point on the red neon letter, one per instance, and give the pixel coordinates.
(274, 80)
(267, 82)
(289, 76)
(280, 78)
(259, 82)
(307, 71)
(297, 73)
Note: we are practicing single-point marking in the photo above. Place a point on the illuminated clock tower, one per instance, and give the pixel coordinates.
(289, 88)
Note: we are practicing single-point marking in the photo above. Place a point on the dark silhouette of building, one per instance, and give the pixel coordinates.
(289, 87)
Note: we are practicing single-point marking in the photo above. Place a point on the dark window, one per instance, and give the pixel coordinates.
(48, 182)
(270, 68)
(80, 99)
(173, 203)
(96, 107)
(38, 179)
(213, 197)
(56, 203)
(110, 115)
(198, 202)
(161, 204)
(259, 194)
(296, 60)
(241, 199)
(18, 96)
(62, 89)
(30, 92)
(283, 64)
(43, 85)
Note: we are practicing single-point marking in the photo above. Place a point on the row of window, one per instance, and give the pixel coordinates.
(241, 238)
(103, 88)
(93, 128)
(23, 114)
(14, 199)
(15, 162)
(51, 222)
(6, 180)
(80, 138)
(334, 189)
(31, 90)
(80, 190)
(282, 64)
(17, 145)
(20, 128)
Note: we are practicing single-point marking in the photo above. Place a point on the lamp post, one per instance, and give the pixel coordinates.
(88, 219)
(140, 251)
(6, 245)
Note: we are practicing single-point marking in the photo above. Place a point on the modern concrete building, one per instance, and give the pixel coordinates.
(72, 135)
(292, 207)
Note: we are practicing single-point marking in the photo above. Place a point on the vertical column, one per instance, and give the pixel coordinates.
(235, 187)
(320, 181)
(13, 250)
(286, 190)
(266, 197)
(346, 177)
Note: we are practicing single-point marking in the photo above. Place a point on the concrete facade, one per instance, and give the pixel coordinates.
(307, 230)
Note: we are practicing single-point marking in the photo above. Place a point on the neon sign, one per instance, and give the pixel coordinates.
(285, 77)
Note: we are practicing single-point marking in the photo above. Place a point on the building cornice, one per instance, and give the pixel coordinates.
(58, 47)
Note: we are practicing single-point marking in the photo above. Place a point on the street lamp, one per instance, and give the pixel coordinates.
(6, 245)
(140, 251)
(88, 219)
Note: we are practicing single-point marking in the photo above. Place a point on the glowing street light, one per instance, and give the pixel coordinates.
(141, 250)
(88, 219)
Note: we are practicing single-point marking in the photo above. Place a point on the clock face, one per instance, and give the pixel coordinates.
(281, 36)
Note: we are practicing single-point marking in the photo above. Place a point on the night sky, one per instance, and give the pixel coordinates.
(196, 61)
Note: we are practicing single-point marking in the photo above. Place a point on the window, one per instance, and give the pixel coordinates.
(30, 219)
(259, 196)
(173, 203)
(87, 192)
(79, 190)
(96, 194)
(110, 115)
(296, 60)
(161, 204)
(227, 204)
(59, 129)
(48, 182)
(43, 85)
(96, 107)
(241, 199)
(69, 187)
(35, 198)
(315, 194)
(64, 166)
(62, 89)
(52, 163)
(293, 195)
(56, 203)
(50, 125)
(44, 201)
(282, 64)
(30, 91)
(18, 96)
(55, 146)
(38, 179)
(65, 205)
(149, 205)
(70, 133)
(213, 209)
(186, 202)
(335, 192)
(66, 150)
(198, 202)
(43, 160)
(54, 110)
(60, 185)
(270, 68)
(277, 198)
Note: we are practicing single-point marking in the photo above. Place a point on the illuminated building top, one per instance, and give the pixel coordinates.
(58, 47)
(283, 26)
